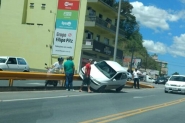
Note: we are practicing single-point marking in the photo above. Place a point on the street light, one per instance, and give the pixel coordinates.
(117, 32)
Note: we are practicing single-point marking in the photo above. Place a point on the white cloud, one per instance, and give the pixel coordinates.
(178, 46)
(155, 47)
(153, 17)
(176, 49)
(169, 33)
(183, 1)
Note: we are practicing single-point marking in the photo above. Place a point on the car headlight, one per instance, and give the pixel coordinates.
(167, 84)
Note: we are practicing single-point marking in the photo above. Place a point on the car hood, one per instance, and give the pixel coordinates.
(176, 83)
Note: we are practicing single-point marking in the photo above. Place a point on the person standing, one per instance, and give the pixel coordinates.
(136, 74)
(69, 69)
(57, 66)
(87, 79)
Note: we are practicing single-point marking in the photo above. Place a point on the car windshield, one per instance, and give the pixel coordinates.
(3, 60)
(107, 70)
(178, 78)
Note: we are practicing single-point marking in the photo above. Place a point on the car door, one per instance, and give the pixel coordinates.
(12, 64)
(119, 79)
(22, 65)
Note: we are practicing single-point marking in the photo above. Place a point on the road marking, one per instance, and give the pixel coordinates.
(42, 98)
(122, 115)
(138, 97)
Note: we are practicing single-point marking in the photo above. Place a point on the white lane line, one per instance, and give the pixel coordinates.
(42, 98)
(137, 97)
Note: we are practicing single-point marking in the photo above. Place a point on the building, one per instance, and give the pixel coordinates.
(163, 65)
(38, 30)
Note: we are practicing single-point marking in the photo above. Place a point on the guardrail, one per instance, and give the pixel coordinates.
(11, 76)
(32, 76)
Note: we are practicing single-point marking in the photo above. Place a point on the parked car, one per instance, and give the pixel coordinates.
(176, 83)
(13, 64)
(161, 80)
(106, 75)
(147, 78)
(129, 76)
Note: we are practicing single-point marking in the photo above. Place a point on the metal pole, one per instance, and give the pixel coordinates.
(117, 32)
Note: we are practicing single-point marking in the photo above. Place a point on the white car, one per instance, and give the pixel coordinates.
(13, 64)
(175, 83)
(106, 75)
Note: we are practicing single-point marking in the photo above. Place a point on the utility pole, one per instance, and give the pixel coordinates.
(117, 32)
(146, 61)
(132, 50)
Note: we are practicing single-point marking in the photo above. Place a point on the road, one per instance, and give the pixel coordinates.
(130, 106)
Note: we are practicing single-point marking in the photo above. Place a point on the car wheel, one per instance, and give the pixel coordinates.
(1, 70)
(55, 83)
(102, 89)
(165, 91)
(119, 89)
(25, 71)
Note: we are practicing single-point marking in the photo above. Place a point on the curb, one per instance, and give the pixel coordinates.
(141, 85)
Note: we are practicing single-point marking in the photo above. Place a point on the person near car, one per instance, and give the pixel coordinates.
(87, 79)
(58, 66)
(69, 73)
(136, 74)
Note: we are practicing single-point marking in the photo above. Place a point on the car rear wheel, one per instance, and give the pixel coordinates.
(165, 91)
(119, 89)
(102, 89)
(1, 70)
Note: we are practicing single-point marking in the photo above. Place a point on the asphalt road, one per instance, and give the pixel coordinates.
(130, 106)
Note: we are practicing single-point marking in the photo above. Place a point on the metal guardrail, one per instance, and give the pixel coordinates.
(32, 76)
(11, 76)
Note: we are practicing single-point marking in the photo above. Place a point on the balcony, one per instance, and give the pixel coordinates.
(93, 21)
(104, 7)
(99, 47)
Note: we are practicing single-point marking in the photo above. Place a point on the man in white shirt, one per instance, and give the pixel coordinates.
(136, 74)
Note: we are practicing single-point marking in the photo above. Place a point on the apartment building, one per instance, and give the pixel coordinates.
(37, 29)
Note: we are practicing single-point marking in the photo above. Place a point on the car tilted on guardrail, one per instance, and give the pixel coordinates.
(13, 64)
(106, 75)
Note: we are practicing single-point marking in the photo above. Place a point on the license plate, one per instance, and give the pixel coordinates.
(175, 89)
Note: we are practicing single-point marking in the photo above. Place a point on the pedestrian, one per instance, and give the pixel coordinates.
(69, 69)
(57, 66)
(86, 76)
(136, 74)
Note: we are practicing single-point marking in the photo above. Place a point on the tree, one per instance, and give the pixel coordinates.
(176, 73)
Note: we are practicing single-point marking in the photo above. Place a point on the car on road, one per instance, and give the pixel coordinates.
(176, 83)
(161, 80)
(106, 75)
(8, 63)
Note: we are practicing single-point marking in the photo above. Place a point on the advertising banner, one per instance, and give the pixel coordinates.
(64, 42)
(66, 27)
(68, 5)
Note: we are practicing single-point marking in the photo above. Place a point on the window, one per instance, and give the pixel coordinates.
(177, 78)
(0, 3)
(12, 61)
(106, 41)
(89, 35)
(31, 5)
(43, 6)
(108, 20)
(101, 16)
(3, 60)
(92, 12)
(21, 61)
(107, 70)
(98, 38)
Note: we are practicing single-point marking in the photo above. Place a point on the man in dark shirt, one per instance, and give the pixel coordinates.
(87, 79)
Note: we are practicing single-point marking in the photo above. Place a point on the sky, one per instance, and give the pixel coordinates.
(162, 25)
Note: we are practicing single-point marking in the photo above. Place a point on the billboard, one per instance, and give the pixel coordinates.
(66, 27)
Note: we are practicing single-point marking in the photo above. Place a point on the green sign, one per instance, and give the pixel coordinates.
(67, 15)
